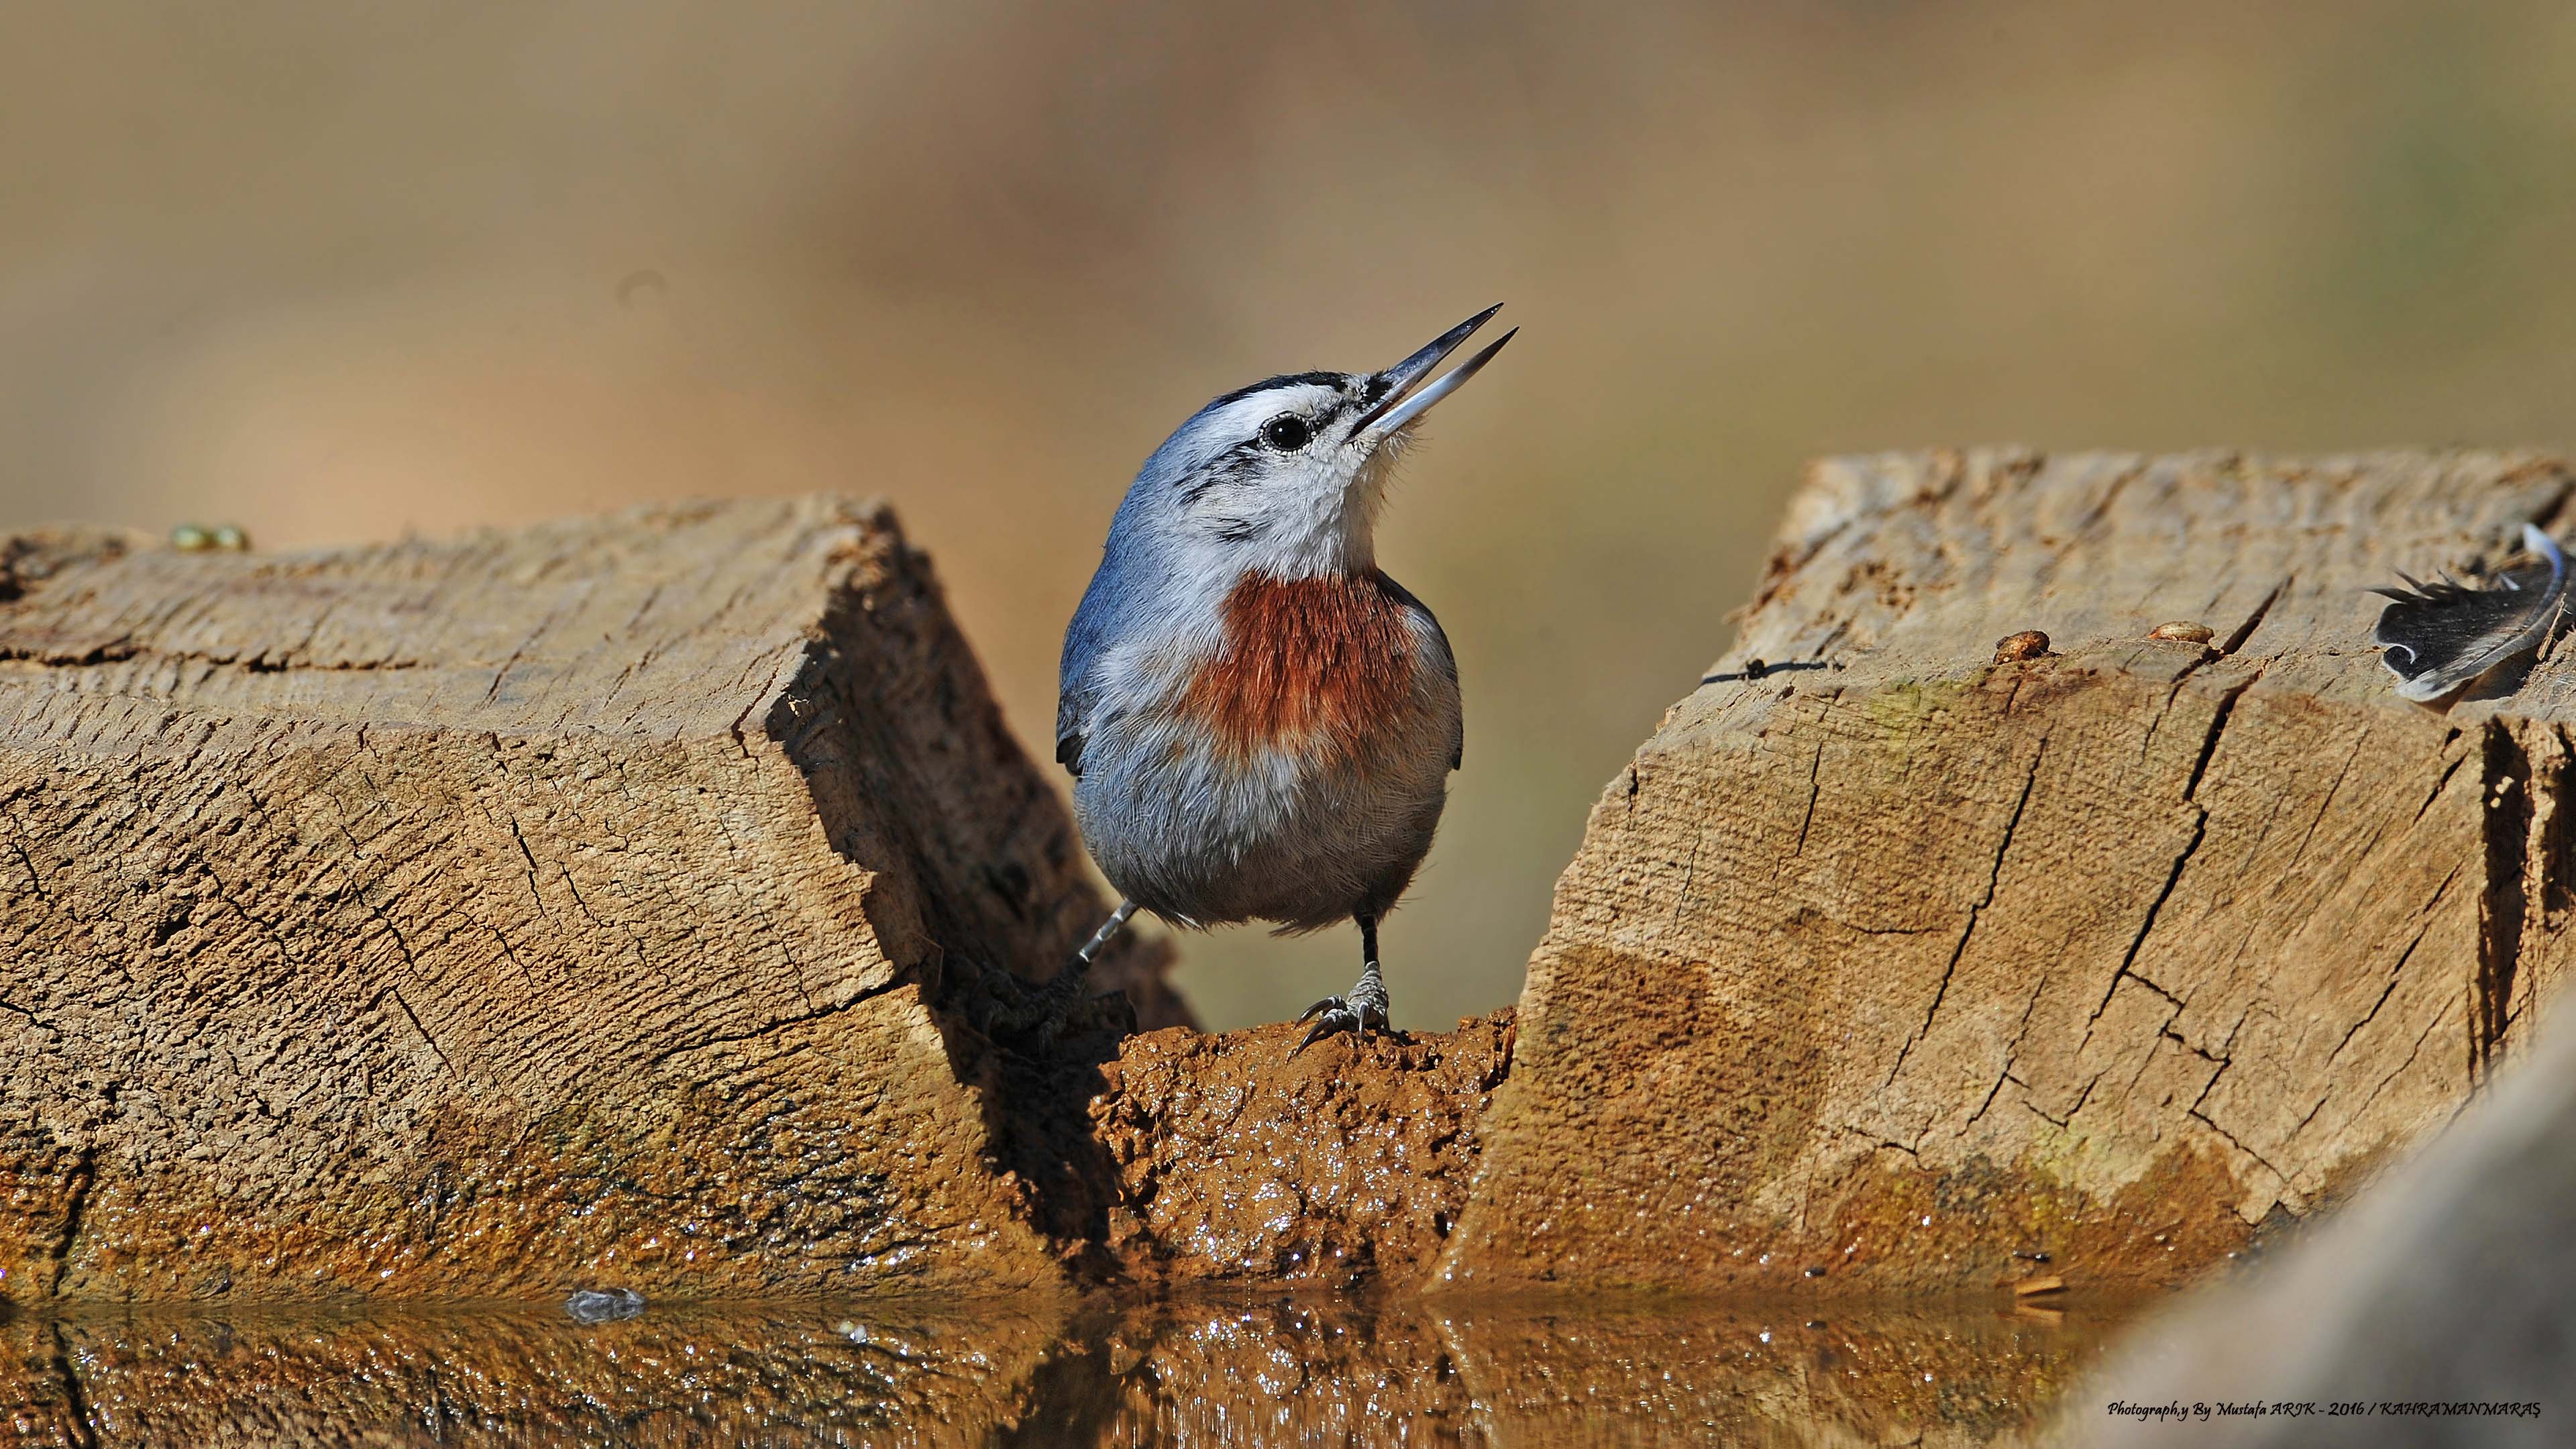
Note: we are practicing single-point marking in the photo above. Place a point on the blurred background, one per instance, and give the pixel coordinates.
(333, 272)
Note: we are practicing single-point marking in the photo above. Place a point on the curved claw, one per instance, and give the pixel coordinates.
(1339, 1019)
(1334, 1015)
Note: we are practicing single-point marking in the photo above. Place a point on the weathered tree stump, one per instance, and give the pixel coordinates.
(494, 917)
(1885, 972)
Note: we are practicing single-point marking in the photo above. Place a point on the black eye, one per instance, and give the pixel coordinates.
(1287, 432)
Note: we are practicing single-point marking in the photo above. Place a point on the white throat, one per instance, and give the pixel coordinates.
(1328, 532)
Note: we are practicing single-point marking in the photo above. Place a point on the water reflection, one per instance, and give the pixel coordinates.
(1211, 1372)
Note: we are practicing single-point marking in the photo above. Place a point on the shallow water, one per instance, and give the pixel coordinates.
(1264, 1370)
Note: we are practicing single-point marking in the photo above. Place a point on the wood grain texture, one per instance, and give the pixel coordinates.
(2447, 1283)
(494, 917)
(1872, 976)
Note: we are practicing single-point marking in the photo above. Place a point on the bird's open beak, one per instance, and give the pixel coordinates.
(1395, 409)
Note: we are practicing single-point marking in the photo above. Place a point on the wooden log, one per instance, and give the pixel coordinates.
(498, 917)
(1876, 974)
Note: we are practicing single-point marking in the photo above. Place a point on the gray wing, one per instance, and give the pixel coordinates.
(1086, 639)
(1448, 655)
(1068, 736)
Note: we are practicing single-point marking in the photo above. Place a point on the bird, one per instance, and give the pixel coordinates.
(1259, 722)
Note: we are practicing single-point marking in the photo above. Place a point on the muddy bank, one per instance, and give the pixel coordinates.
(1346, 1164)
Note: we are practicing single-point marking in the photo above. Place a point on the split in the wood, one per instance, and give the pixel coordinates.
(1758, 669)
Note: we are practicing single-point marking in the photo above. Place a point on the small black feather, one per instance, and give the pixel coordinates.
(2437, 637)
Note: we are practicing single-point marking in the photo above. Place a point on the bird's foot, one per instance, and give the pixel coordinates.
(1363, 1011)
(1009, 1007)
(1037, 1013)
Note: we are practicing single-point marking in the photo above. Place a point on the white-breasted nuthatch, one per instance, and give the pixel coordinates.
(1260, 723)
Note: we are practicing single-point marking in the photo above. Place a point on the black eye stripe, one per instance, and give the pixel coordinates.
(1233, 466)
(1242, 461)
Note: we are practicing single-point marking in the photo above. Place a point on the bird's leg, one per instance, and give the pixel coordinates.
(1100, 939)
(1365, 1009)
(1042, 1011)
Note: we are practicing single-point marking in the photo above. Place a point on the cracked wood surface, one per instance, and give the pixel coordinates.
(2446, 1283)
(1876, 975)
(495, 917)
